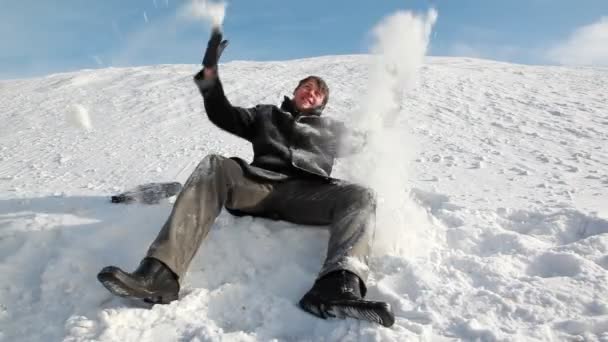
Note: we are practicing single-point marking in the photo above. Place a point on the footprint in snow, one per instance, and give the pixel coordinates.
(603, 262)
(556, 113)
(549, 265)
(439, 206)
(559, 228)
(508, 243)
(520, 171)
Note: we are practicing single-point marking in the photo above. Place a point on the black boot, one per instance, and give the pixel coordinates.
(338, 294)
(152, 281)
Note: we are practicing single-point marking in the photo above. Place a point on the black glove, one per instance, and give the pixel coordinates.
(215, 47)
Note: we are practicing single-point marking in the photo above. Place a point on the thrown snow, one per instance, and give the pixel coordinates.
(210, 11)
(78, 116)
(400, 44)
(509, 182)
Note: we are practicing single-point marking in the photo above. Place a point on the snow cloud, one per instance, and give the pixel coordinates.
(401, 42)
(212, 12)
(587, 45)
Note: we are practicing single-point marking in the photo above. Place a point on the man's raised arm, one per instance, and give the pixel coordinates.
(235, 120)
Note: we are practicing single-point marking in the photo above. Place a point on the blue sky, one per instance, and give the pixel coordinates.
(42, 37)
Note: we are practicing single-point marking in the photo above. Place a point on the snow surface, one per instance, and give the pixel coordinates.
(507, 180)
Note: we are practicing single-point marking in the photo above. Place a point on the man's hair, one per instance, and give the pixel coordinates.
(322, 87)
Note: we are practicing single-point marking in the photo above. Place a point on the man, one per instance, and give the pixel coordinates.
(289, 179)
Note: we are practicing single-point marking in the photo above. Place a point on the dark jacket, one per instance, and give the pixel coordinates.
(286, 143)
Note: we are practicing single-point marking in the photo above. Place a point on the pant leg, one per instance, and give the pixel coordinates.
(348, 209)
(216, 182)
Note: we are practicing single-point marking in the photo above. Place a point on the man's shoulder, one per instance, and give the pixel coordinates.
(271, 110)
(266, 108)
(266, 105)
(332, 122)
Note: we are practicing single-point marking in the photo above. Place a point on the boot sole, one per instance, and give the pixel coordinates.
(375, 312)
(119, 284)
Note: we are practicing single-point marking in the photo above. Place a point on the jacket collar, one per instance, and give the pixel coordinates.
(289, 107)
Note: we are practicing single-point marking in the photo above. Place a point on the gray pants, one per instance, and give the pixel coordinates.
(347, 209)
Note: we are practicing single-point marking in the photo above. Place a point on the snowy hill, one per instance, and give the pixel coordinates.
(507, 177)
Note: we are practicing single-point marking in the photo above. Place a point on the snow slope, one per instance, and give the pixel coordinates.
(507, 237)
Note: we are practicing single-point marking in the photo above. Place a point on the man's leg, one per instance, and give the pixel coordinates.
(349, 211)
(216, 182)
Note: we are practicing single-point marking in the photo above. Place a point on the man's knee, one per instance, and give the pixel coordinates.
(358, 197)
(364, 196)
(370, 196)
(210, 168)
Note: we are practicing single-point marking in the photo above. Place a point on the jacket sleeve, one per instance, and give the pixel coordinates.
(235, 120)
(348, 141)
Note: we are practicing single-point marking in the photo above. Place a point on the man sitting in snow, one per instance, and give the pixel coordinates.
(289, 179)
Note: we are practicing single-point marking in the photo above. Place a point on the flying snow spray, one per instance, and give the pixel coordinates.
(400, 44)
(209, 11)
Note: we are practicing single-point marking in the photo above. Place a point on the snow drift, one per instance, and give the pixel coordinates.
(509, 176)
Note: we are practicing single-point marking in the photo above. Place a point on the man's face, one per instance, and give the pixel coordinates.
(308, 96)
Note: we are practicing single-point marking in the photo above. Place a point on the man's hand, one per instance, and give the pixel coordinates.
(205, 79)
(215, 47)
